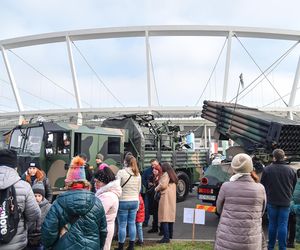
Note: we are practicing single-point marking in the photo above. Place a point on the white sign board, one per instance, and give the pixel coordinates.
(188, 216)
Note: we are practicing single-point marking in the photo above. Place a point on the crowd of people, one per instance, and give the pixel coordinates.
(100, 203)
(243, 201)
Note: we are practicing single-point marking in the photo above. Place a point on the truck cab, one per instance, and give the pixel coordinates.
(53, 145)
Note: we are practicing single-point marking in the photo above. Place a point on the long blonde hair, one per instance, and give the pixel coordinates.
(132, 163)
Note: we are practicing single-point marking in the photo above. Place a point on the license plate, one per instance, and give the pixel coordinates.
(206, 197)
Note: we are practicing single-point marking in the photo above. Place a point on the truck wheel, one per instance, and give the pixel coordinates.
(183, 186)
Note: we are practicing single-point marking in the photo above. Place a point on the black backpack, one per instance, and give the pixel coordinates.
(9, 214)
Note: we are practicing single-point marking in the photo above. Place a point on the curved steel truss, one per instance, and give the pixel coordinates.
(146, 32)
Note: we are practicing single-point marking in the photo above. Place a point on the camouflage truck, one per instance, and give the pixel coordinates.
(147, 139)
(257, 133)
(43, 142)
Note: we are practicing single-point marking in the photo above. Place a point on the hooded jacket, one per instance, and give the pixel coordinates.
(83, 214)
(109, 196)
(295, 207)
(30, 210)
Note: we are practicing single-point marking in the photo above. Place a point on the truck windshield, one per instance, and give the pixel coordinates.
(27, 140)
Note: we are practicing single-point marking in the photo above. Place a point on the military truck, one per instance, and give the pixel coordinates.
(147, 139)
(257, 133)
(43, 142)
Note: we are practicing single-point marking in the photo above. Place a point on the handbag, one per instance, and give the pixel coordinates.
(157, 196)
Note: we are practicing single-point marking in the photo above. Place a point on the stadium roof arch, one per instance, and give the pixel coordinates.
(90, 114)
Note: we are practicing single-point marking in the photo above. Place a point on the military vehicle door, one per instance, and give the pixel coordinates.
(58, 152)
(91, 144)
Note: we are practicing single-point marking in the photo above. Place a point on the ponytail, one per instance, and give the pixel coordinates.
(132, 163)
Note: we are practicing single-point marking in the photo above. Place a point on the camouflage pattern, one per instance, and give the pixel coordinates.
(254, 130)
(33, 143)
(148, 140)
(43, 142)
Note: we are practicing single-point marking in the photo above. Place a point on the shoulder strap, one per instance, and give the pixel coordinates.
(127, 179)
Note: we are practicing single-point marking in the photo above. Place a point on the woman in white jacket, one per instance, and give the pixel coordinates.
(130, 180)
(108, 190)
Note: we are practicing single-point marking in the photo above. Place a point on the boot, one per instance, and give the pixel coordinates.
(131, 245)
(120, 247)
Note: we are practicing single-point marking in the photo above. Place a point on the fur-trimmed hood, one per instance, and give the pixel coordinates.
(113, 186)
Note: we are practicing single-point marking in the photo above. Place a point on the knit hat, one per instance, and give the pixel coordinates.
(8, 158)
(105, 175)
(242, 163)
(38, 188)
(76, 171)
(103, 165)
(34, 165)
(100, 157)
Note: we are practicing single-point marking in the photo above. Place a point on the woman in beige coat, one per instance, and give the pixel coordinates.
(241, 203)
(167, 202)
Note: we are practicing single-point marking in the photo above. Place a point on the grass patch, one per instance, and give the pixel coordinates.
(177, 245)
(174, 245)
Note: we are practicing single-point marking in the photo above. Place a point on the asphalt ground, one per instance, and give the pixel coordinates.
(183, 231)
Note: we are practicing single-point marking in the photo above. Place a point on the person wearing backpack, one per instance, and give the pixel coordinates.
(34, 228)
(22, 210)
(34, 174)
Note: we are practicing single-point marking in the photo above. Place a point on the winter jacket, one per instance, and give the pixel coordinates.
(241, 204)
(39, 176)
(109, 196)
(83, 214)
(30, 210)
(140, 215)
(279, 181)
(146, 176)
(131, 190)
(167, 202)
(295, 207)
(34, 228)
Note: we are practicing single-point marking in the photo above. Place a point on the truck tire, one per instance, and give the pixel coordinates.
(183, 186)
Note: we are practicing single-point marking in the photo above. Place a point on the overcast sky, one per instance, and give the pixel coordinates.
(181, 65)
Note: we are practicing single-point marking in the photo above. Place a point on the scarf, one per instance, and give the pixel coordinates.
(237, 176)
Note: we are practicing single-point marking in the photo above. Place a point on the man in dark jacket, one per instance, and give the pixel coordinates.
(147, 173)
(76, 220)
(30, 210)
(279, 181)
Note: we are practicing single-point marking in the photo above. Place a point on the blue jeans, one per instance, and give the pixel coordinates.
(126, 215)
(167, 228)
(278, 222)
(139, 229)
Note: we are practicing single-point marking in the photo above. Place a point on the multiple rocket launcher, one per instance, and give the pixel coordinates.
(254, 130)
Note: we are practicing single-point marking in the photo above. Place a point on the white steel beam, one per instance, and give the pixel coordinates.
(148, 62)
(227, 65)
(74, 75)
(12, 80)
(294, 89)
(156, 30)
